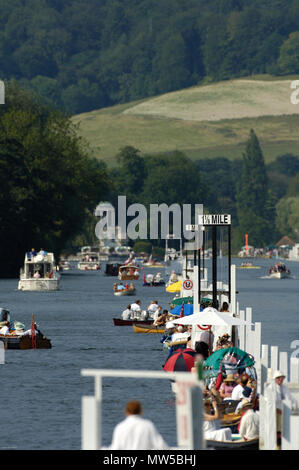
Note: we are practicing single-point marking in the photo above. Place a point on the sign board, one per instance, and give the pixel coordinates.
(189, 415)
(214, 219)
(187, 284)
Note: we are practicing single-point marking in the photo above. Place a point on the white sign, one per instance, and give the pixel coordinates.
(214, 219)
(192, 228)
(187, 284)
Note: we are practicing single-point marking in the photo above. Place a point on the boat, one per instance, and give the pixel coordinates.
(150, 263)
(128, 272)
(248, 265)
(112, 269)
(121, 322)
(18, 338)
(39, 272)
(142, 328)
(64, 265)
(119, 290)
(237, 443)
(89, 259)
(153, 280)
(279, 271)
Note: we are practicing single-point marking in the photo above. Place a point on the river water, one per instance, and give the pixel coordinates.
(42, 389)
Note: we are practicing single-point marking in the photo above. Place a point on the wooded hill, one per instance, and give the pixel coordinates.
(89, 54)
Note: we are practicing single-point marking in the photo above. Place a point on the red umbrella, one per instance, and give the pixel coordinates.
(181, 360)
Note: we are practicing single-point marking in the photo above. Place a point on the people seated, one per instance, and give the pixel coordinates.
(152, 308)
(36, 275)
(237, 393)
(5, 330)
(127, 313)
(249, 425)
(161, 319)
(227, 387)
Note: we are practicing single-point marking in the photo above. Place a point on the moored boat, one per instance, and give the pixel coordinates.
(13, 335)
(39, 272)
(119, 290)
(112, 269)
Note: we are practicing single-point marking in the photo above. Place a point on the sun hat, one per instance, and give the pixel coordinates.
(229, 378)
(245, 403)
(277, 374)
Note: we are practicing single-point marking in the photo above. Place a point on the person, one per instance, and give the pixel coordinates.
(157, 313)
(237, 393)
(115, 287)
(152, 307)
(211, 427)
(282, 393)
(224, 307)
(36, 275)
(227, 387)
(180, 334)
(5, 329)
(131, 286)
(249, 424)
(127, 314)
(135, 432)
(136, 306)
(162, 319)
(120, 286)
(207, 337)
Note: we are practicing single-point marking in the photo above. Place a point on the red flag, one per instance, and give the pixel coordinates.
(182, 310)
(33, 334)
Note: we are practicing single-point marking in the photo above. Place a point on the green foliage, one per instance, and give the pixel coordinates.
(287, 216)
(49, 185)
(102, 53)
(255, 211)
(141, 246)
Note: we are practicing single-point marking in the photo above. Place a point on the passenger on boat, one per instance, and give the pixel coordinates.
(29, 332)
(36, 275)
(131, 286)
(211, 425)
(227, 387)
(127, 314)
(120, 286)
(249, 425)
(136, 309)
(5, 329)
(135, 432)
(161, 319)
(157, 313)
(237, 393)
(153, 306)
(180, 335)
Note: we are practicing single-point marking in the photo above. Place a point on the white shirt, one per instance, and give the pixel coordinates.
(136, 307)
(283, 393)
(4, 330)
(237, 393)
(126, 315)
(137, 433)
(179, 336)
(249, 427)
(152, 308)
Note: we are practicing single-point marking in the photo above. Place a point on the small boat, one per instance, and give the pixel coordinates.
(279, 271)
(17, 338)
(248, 265)
(89, 259)
(64, 265)
(121, 322)
(150, 263)
(141, 328)
(39, 272)
(25, 342)
(124, 290)
(128, 273)
(153, 280)
(236, 444)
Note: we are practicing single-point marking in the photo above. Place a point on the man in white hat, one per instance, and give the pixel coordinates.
(282, 393)
(249, 424)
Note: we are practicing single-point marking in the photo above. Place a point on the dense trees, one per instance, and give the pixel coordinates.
(88, 54)
(49, 187)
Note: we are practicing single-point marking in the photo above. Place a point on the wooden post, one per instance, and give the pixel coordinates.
(283, 363)
(274, 358)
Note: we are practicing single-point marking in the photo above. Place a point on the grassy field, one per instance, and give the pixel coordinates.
(204, 121)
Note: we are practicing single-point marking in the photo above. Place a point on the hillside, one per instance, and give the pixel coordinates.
(203, 121)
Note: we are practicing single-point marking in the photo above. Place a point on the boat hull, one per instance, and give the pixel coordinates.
(252, 444)
(25, 342)
(38, 284)
(140, 328)
(279, 275)
(125, 292)
(88, 266)
(121, 322)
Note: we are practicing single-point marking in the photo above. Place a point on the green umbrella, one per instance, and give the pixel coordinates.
(186, 300)
(230, 356)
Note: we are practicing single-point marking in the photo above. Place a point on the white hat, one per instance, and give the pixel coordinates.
(277, 374)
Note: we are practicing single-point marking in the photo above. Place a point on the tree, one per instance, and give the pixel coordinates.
(288, 60)
(254, 211)
(287, 216)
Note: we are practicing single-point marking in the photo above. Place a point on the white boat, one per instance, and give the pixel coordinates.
(279, 271)
(89, 259)
(39, 272)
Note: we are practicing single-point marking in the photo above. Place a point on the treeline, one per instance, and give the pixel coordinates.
(88, 54)
(49, 186)
(262, 199)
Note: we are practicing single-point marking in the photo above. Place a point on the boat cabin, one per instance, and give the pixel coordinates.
(39, 266)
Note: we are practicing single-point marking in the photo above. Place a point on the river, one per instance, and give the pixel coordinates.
(42, 389)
